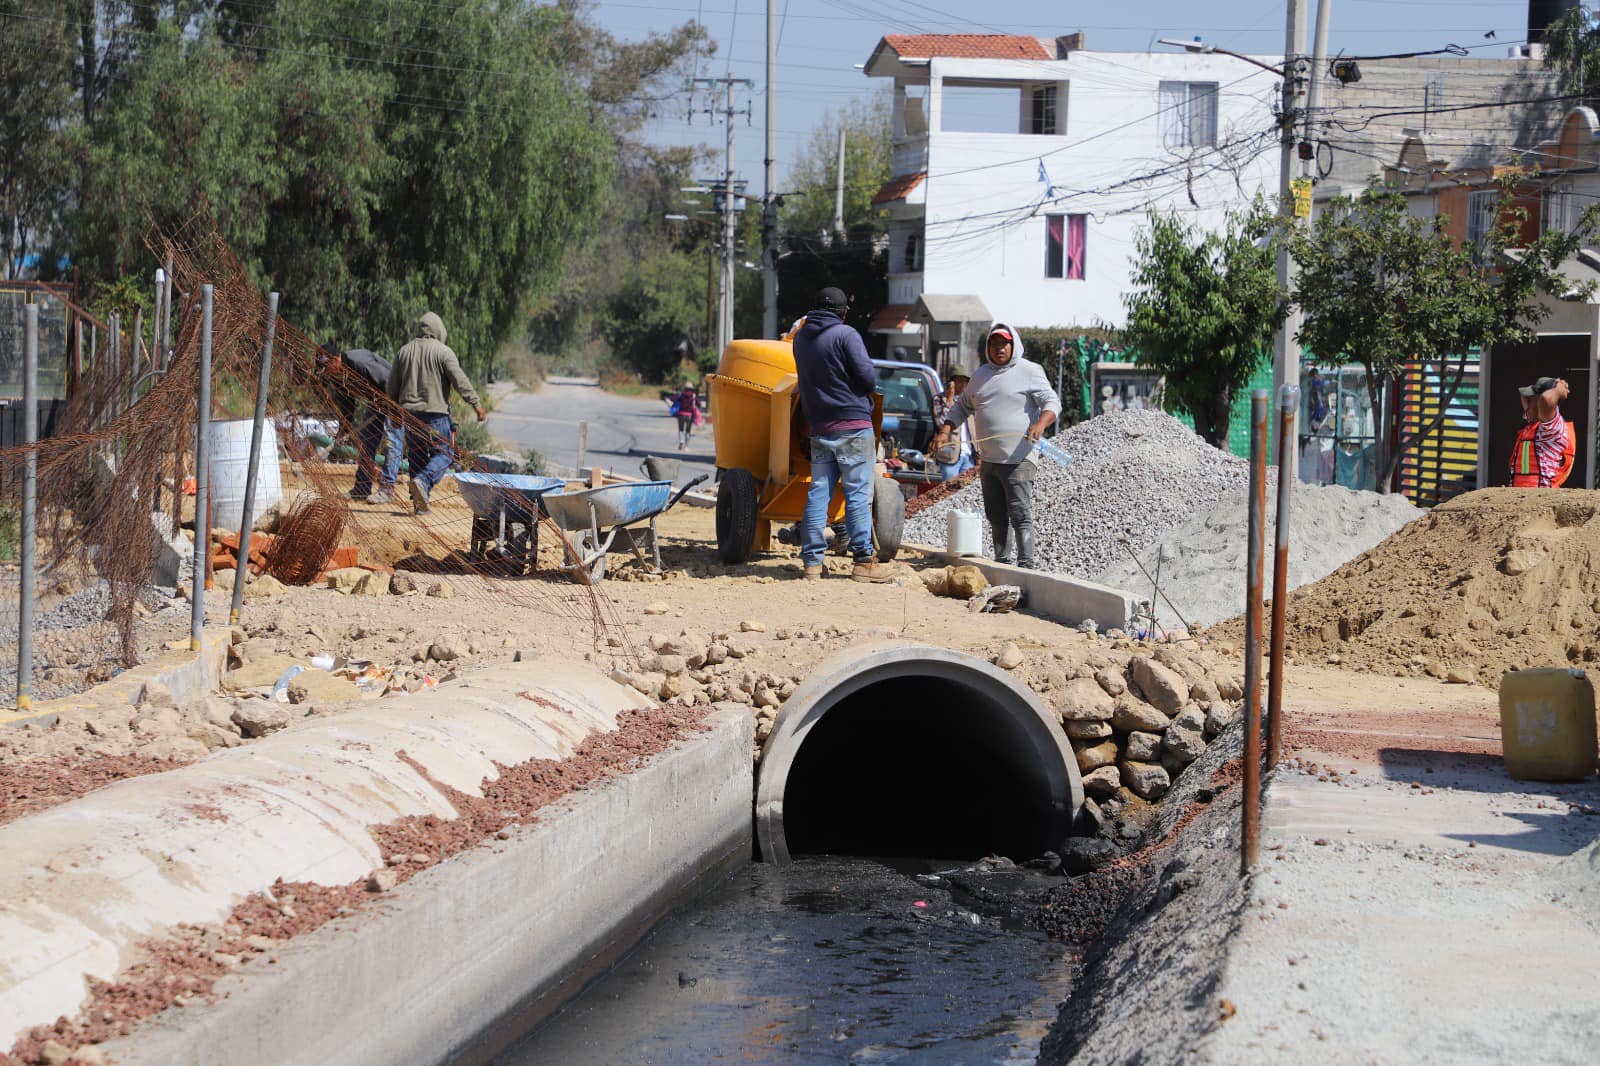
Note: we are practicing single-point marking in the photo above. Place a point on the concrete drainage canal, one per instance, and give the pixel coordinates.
(899, 791)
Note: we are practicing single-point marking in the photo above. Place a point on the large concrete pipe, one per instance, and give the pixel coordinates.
(906, 749)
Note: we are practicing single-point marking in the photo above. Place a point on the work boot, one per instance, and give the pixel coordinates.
(353, 496)
(870, 571)
(419, 497)
(814, 572)
(381, 497)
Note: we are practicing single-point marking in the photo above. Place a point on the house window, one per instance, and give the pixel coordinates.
(1044, 111)
(913, 261)
(1065, 240)
(1188, 112)
(1480, 221)
(1558, 212)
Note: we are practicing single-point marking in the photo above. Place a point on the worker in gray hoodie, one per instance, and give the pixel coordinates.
(420, 383)
(1011, 404)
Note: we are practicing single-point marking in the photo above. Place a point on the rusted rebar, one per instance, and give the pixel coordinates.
(1288, 407)
(1250, 842)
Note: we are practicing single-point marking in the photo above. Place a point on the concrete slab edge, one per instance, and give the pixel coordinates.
(460, 959)
(191, 676)
(1059, 598)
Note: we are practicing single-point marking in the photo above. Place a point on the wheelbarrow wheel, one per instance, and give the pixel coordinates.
(888, 518)
(588, 565)
(738, 504)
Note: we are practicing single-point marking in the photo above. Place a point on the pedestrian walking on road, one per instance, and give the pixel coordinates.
(424, 371)
(837, 382)
(1011, 404)
(355, 378)
(686, 408)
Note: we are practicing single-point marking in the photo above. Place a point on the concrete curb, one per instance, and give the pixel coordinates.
(191, 677)
(1053, 596)
(85, 881)
(465, 956)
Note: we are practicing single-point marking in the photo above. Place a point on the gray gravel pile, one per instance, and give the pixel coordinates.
(1134, 474)
(1203, 560)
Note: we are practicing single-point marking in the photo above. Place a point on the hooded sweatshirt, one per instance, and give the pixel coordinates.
(1003, 401)
(837, 378)
(424, 371)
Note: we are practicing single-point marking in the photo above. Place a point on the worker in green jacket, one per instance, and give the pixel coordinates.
(420, 383)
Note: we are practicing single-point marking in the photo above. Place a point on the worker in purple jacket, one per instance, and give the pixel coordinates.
(837, 382)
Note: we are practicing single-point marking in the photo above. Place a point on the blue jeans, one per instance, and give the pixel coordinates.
(848, 458)
(374, 431)
(961, 466)
(429, 453)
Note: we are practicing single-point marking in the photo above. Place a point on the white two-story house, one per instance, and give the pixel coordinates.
(1023, 168)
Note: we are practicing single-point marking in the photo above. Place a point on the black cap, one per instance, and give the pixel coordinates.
(1538, 388)
(832, 299)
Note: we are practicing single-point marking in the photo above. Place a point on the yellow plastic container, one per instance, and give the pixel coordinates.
(741, 401)
(1547, 724)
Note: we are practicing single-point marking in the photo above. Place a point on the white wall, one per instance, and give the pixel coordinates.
(984, 215)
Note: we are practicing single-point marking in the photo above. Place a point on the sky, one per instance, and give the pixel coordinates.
(822, 42)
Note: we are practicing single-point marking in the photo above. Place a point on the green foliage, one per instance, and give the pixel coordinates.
(533, 462)
(648, 317)
(36, 105)
(10, 536)
(1202, 310)
(1572, 46)
(868, 161)
(1385, 288)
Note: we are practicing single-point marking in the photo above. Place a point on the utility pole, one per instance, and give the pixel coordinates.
(1286, 350)
(838, 189)
(769, 196)
(725, 191)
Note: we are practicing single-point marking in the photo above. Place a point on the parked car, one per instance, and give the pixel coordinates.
(908, 390)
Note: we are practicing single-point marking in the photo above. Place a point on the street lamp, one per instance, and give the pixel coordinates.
(1199, 47)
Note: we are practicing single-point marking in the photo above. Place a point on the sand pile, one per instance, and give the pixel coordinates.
(1203, 560)
(1495, 580)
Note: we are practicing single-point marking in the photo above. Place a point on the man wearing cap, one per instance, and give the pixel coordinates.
(1011, 404)
(837, 381)
(959, 452)
(1547, 443)
(420, 382)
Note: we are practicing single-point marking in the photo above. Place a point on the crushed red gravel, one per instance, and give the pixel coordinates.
(939, 492)
(29, 787)
(183, 969)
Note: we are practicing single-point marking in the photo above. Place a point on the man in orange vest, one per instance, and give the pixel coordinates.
(1547, 443)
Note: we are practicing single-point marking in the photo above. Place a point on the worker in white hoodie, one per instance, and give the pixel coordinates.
(1011, 404)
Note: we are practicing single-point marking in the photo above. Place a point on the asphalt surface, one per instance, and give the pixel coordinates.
(622, 430)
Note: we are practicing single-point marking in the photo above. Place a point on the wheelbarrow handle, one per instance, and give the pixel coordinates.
(683, 490)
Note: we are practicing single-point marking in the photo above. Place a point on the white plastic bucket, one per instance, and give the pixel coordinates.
(962, 533)
(229, 463)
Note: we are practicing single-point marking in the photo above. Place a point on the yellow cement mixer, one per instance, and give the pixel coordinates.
(764, 454)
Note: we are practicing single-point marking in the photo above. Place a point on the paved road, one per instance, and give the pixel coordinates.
(622, 431)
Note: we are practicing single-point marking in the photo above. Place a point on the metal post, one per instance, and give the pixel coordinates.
(114, 343)
(838, 188)
(247, 517)
(202, 536)
(1286, 350)
(725, 294)
(30, 490)
(1288, 408)
(769, 207)
(1252, 634)
(583, 444)
(166, 320)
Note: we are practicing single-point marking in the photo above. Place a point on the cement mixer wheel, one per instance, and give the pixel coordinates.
(888, 518)
(738, 503)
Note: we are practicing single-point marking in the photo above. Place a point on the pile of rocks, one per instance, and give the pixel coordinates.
(1138, 724)
(1134, 475)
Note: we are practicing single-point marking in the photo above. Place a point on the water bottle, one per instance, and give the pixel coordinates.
(1053, 452)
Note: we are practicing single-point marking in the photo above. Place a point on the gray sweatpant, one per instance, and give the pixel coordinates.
(1008, 504)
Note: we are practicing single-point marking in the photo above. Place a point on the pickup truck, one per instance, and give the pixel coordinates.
(908, 390)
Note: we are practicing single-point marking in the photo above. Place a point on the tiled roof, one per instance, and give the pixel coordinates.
(967, 46)
(898, 188)
(891, 318)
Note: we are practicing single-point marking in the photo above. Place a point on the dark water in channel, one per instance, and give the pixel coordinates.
(826, 960)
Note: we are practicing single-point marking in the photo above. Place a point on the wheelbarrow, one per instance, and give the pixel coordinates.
(505, 516)
(582, 514)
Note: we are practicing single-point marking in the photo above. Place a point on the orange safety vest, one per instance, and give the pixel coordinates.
(1525, 462)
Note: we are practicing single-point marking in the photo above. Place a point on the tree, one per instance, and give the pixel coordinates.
(36, 58)
(1385, 288)
(868, 162)
(1202, 310)
(1572, 46)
